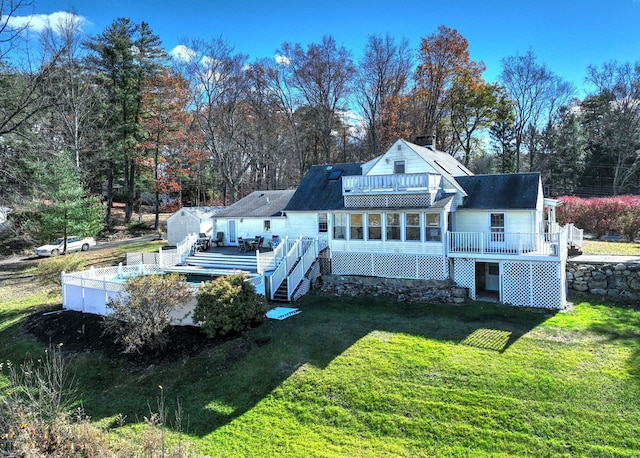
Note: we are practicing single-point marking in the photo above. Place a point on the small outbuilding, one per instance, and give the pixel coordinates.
(190, 220)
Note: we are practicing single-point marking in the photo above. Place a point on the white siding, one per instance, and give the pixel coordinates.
(413, 163)
(183, 223)
(301, 224)
(478, 221)
(251, 227)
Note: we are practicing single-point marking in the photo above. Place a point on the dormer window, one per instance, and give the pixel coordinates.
(398, 167)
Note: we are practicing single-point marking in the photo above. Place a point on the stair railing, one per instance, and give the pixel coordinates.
(281, 271)
(306, 260)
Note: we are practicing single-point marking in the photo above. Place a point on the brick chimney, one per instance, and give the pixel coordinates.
(428, 141)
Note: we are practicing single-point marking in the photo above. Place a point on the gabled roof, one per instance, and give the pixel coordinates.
(510, 191)
(321, 188)
(444, 163)
(200, 212)
(258, 204)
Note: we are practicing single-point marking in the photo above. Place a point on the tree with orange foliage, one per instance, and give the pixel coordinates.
(442, 57)
(170, 148)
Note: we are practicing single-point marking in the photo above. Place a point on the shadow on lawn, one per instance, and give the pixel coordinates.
(226, 379)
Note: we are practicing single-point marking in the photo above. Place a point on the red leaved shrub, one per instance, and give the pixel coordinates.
(602, 215)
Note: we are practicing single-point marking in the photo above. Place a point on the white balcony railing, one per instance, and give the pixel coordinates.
(501, 243)
(411, 182)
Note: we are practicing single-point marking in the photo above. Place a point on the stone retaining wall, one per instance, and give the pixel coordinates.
(433, 291)
(617, 280)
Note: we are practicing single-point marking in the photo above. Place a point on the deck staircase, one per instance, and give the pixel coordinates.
(230, 262)
(289, 280)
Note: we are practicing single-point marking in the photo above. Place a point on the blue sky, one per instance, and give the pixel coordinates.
(565, 35)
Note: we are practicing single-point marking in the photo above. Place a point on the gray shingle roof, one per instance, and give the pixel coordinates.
(500, 191)
(321, 188)
(202, 212)
(259, 204)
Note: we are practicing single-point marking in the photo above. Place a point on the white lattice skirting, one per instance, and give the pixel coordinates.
(388, 200)
(389, 265)
(464, 275)
(534, 284)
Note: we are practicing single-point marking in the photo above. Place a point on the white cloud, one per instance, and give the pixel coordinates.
(182, 53)
(282, 60)
(41, 22)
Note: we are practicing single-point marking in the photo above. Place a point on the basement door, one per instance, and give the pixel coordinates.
(492, 276)
(487, 276)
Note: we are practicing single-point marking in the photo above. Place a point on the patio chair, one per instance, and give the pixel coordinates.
(275, 241)
(242, 244)
(257, 243)
(218, 240)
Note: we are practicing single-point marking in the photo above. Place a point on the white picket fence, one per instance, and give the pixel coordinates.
(89, 291)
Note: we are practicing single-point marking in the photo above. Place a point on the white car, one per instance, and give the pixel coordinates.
(73, 244)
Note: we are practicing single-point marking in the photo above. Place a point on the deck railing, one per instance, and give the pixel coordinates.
(366, 184)
(501, 243)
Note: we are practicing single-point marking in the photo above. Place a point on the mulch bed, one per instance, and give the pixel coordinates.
(79, 332)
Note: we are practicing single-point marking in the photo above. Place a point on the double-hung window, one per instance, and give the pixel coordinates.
(412, 226)
(323, 222)
(356, 228)
(340, 226)
(374, 226)
(393, 226)
(434, 233)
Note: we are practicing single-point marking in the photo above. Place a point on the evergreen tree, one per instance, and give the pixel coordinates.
(67, 209)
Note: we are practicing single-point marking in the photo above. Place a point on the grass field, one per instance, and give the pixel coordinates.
(372, 378)
(369, 377)
(611, 248)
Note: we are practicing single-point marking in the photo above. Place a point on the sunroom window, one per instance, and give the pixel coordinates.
(393, 226)
(433, 227)
(374, 226)
(356, 228)
(339, 226)
(412, 226)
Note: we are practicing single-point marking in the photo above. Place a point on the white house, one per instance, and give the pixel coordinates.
(261, 213)
(190, 220)
(415, 212)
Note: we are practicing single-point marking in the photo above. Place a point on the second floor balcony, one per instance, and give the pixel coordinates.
(390, 184)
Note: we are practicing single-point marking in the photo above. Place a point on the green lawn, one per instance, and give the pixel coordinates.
(352, 377)
(611, 248)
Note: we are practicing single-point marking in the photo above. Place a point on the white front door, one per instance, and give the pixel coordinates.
(233, 240)
(492, 276)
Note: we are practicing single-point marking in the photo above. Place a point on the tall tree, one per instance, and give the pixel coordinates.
(272, 142)
(612, 114)
(125, 55)
(381, 81)
(68, 209)
(442, 57)
(322, 74)
(536, 93)
(568, 152)
(74, 102)
(219, 85)
(170, 144)
(473, 109)
(502, 133)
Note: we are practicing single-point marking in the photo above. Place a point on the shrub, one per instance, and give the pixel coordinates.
(49, 271)
(602, 215)
(141, 313)
(35, 416)
(229, 304)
